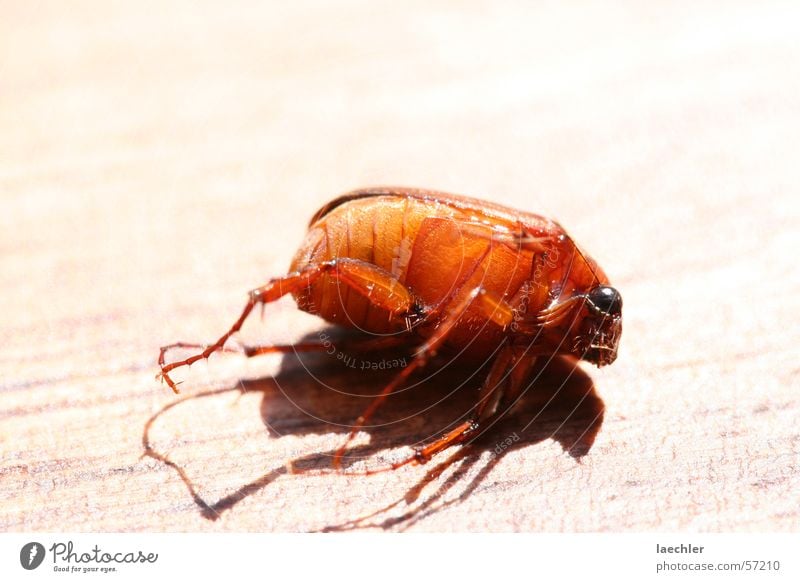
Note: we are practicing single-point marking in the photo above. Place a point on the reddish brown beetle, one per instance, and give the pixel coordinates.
(437, 271)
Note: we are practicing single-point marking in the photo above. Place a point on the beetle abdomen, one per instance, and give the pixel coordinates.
(381, 234)
(432, 248)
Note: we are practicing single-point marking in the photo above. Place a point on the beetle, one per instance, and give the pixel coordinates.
(436, 271)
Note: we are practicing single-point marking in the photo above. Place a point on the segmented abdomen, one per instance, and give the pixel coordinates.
(434, 249)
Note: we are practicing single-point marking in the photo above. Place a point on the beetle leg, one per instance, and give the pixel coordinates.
(248, 351)
(555, 314)
(361, 345)
(528, 240)
(488, 398)
(358, 345)
(522, 239)
(379, 286)
(494, 308)
(500, 392)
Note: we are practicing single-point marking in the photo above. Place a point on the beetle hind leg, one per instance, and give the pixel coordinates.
(246, 350)
(379, 286)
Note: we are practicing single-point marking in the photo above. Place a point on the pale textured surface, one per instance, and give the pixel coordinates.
(157, 162)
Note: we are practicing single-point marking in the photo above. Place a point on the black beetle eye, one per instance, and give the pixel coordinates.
(606, 299)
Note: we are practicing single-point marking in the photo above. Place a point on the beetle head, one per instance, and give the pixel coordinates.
(598, 336)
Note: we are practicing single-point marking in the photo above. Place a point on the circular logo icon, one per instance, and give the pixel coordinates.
(31, 555)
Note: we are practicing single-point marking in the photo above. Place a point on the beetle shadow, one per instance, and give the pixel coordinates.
(562, 405)
(306, 397)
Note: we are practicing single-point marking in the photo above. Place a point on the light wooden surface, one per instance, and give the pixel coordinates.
(157, 160)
